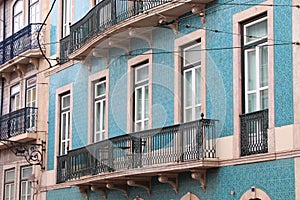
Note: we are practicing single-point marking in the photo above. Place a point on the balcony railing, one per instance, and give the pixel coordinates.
(183, 142)
(104, 15)
(18, 122)
(254, 133)
(21, 41)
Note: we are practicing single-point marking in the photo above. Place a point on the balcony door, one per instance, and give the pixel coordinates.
(31, 112)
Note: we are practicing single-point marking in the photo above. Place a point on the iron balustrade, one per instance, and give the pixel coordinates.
(64, 49)
(254, 132)
(104, 15)
(19, 42)
(18, 122)
(182, 142)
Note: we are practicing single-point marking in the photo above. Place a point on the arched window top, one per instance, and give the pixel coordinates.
(18, 7)
(255, 194)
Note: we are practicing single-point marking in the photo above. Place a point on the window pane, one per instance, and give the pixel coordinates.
(10, 176)
(97, 115)
(192, 54)
(251, 102)
(198, 85)
(103, 115)
(146, 103)
(251, 57)
(257, 31)
(139, 104)
(188, 115)
(65, 101)
(138, 126)
(263, 66)
(26, 172)
(64, 124)
(264, 99)
(15, 90)
(188, 88)
(100, 89)
(198, 112)
(142, 73)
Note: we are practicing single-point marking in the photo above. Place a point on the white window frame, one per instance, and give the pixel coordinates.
(28, 183)
(18, 18)
(32, 91)
(194, 67)
(34, 10)
(10, 184)
(66, 17)
(101, 100)
(15, 98)
(65, 111)
(141, 84)
(256, 48)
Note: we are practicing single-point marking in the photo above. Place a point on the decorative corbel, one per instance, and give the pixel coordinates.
(134, 34)
(200, 175)
(101, 53)
(119, 45)
(122, 188)
(170, 22)
(6, 76)
(34, 62)
(20, 70)
(87, 62)
(145, 184)
(171, 179)
(101, 190)
(84, 190)
(200, 10)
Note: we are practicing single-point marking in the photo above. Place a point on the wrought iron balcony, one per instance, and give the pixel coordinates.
(178, 143)
(21, 41)
(254, 133)
(104, 15)
(18, 122)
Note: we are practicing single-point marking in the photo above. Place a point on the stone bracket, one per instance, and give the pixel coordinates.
(120, 188)
(84, 190)
(200, 175)
(101, 190)
(35, 62)
(145, 184)
(171, 179)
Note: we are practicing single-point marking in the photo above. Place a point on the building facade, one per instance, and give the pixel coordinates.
(23, 94)
(173, 100)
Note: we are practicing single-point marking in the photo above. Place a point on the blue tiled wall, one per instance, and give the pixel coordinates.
(274, 177)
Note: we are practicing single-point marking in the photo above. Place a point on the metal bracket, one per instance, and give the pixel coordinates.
(33, 153)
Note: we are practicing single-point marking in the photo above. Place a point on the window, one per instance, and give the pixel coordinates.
(31, 103)
(99, 110)
(34, 11)
(9, 185)
(255, 65)
(141, 97)
(64, 123)
(18, 16)
(26, 184)
(15, 98)
(66, 17)
(191, 69)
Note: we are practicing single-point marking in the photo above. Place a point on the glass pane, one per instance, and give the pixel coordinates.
(103, 115)
(26, 172)
(257, 31)
(251, 56)
(10, 176)
(15, 90)
(23, 189)
(12, 191)
(31, 82)
(64, 124)
(142, 73)
(33, 104)
(97, 116)
(29, 190)
(188, 115)
(28, 98)
(68, 128)
(198, 112)
(6, 191)
(100, 89)
(63, 148)
(198, 85)
(65, 101)
(139, 104)
(192, 54)
(264, 99)
(146, 103)
(188, 88)
(263, 66)
(138, 126)
(251, 102)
